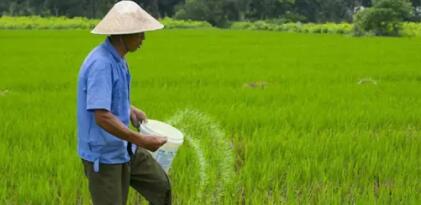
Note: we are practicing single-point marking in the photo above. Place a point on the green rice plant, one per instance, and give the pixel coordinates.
(304, 118)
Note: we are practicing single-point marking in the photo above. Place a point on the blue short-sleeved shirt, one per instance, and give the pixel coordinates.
(103, 83)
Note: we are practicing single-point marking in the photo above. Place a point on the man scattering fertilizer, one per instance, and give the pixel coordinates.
(115, 157)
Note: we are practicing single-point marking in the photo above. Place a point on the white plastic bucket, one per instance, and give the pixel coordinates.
(165, 154)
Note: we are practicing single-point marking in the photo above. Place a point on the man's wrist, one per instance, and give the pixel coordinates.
(136, 137)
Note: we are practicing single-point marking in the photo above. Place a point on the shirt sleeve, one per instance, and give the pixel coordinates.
(99, 86)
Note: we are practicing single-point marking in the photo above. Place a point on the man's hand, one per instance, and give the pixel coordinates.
(152, 142)
(137, 116)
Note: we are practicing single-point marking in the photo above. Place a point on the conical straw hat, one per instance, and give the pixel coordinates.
(126, 17)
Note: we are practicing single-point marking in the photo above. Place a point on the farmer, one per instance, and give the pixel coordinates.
(114, 156)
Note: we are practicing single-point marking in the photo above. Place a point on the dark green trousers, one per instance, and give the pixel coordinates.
(110, 186)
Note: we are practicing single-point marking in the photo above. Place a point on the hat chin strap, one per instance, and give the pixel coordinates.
(124, 44)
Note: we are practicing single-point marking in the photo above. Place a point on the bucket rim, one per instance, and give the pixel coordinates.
(176, 137)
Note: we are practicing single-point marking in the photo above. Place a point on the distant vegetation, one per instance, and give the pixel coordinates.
(37, 22)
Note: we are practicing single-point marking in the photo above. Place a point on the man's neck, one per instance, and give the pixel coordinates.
(118, 45)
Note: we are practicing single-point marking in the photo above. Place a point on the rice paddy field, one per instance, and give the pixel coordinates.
(269, 117)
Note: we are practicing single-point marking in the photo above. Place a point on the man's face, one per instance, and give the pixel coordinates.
(133, 41)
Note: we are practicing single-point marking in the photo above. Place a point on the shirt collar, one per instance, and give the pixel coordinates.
(107, 44)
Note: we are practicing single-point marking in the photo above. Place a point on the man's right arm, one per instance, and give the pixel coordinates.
(110, 123)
